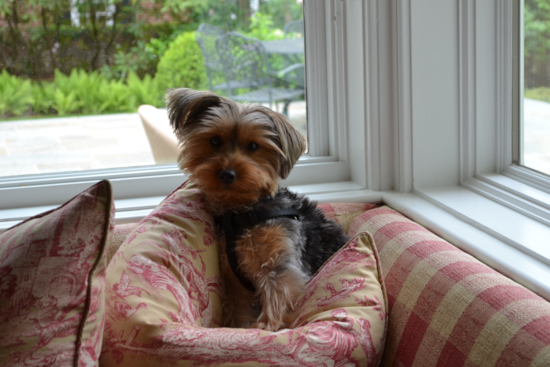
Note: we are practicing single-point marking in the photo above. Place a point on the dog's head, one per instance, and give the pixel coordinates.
(235, 153)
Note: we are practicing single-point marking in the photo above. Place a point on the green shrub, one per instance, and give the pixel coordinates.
(15, 94)
(92, 93)
(139, 59)
(144, 91)
(65, 104)
(182, 65)
(261, 27)
(69, 90)
(43, 95)
(76, 93)
(282, 11)
(541, 93)
(117, 97)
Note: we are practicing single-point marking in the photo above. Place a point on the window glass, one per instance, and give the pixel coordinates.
(536, 102)
(74, 73)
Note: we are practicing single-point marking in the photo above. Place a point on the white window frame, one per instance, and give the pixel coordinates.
(460, 180)
(139, 189)
(416, 98)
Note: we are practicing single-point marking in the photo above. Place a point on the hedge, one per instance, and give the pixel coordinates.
(76, 93)
(182, 65)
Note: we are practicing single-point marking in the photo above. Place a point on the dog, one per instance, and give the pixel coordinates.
(272, 241)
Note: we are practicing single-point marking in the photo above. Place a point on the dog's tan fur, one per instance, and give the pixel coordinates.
(198, 118)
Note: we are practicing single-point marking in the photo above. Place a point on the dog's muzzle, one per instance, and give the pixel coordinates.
(227, 176)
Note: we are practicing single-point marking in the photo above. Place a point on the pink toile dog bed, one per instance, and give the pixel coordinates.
(163, 304)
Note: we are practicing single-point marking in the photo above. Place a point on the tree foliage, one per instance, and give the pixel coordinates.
(118, 36)
(41, 36)
(182, 65)
(537, 43)
(63, 57)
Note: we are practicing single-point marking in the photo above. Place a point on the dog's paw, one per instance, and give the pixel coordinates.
(269, 325)
(259, 325)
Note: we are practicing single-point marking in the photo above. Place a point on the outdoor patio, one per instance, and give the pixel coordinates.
(537, 135)
(85, 142)
(109, 141)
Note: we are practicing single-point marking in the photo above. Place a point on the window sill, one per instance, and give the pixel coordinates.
(510, 242)
(133, 210)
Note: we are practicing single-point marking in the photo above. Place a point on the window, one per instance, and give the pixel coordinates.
(75, 72)
(142, 187)
(445, 69)
(413, 106)
(535, 119)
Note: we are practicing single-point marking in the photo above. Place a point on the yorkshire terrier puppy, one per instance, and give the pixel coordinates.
(272, 241)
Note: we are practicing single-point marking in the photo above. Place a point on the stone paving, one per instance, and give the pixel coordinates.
(72, 144)
(109, 141)
(536, 135)
(84, 143)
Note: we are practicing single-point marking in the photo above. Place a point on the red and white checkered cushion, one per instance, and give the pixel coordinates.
(345, 213)
(448, 309)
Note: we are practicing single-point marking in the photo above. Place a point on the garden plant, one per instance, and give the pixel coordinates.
(61, 57)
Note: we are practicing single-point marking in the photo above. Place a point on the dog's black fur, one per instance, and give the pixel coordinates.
(237, 155)
(312, 229)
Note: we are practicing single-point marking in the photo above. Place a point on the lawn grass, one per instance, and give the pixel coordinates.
(540, 94)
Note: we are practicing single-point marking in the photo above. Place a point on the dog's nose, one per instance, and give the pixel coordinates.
(227, 176)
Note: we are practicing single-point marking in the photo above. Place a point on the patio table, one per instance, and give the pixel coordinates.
(292, 50)
(285, 46)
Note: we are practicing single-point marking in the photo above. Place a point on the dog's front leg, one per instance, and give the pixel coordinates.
(278, 294)
(270, 259)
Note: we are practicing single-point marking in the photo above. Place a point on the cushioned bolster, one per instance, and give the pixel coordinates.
(447, 308)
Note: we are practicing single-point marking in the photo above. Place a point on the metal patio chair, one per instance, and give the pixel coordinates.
(206, 36)
(245, 63)
(294, 29)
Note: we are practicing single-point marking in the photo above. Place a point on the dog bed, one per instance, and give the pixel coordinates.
(163, 302)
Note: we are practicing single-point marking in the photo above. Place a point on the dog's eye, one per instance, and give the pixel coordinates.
(216, 142)
(252, 147)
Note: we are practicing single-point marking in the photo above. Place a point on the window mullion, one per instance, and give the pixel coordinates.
(517, 84)
(317, 69)
(504, 79)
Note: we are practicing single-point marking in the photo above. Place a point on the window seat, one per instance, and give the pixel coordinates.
(445, 307)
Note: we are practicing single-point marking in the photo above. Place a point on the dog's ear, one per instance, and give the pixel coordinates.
(293, 143)
(185, 106)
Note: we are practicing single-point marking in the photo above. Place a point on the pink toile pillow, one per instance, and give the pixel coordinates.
(52, 276)
(163, 301)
